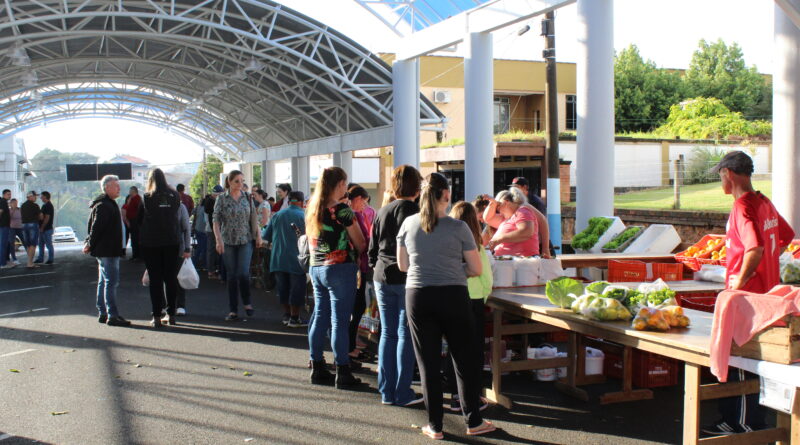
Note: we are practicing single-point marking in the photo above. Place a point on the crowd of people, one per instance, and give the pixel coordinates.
(429, 268)
(30, 223)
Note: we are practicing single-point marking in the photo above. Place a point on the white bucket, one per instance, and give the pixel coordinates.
(594, 361)
(548, 374)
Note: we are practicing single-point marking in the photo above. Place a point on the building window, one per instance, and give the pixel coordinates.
(572, 113)
(502, 115)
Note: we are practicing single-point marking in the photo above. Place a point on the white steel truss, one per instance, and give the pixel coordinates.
(240, 75)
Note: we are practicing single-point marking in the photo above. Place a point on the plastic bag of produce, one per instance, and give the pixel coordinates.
(657, 285)
(790, 269)
(675, 316)
(582, 302)
(617, 292)
(563, 291)
(650, 318)
(606, 309)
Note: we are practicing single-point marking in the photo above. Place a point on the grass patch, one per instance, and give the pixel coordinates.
(703, 197)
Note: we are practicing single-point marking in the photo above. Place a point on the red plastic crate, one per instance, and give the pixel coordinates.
(699, 301)
(694, 263)
(557, 337)
(649, 370)
(796, 252)
(629, 270)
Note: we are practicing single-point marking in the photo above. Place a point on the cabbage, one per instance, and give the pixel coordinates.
(597, 287)
(558, 291)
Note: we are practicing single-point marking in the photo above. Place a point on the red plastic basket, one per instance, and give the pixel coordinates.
(699, 301)
(796, 252)
(625, 271)
(649, 370)
(694, 263)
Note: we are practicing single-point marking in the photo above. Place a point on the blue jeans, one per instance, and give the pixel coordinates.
(5, 233)
(46, 240)
(237, 268)
(291, 288)
(107, 282)
(395, 350)
(334, 296)
(30, 234)
(199, 255)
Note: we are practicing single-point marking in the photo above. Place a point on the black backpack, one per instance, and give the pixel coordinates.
(160, 219)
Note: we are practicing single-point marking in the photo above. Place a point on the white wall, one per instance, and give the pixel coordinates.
(12, 150)
(639, 164)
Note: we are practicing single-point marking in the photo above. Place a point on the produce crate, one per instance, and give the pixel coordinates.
(777, 344)
(649, 370)
(694, 263)
(796, 252)
(657, 238)
(699, 301)
(616, 227)
(624, 245)
(629, 270)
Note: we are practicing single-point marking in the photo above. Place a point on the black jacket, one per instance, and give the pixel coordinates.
(158, 219)
(105, 228)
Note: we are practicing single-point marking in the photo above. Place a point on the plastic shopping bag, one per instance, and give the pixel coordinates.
(146, 279)
(550, 269)
(187, 277)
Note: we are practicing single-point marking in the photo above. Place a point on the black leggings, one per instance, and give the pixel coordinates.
(359, 306)
(163, 271)
(444, 310)
(478, 318)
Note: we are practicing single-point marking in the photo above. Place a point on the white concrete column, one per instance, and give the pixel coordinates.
(300, 174)
(247, 169)
(344, 160)
(405, 89)
(479, 125)
(268, 177)
(786, 119)
(595, 96)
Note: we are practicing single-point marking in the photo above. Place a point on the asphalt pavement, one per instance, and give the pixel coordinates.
(66, 379)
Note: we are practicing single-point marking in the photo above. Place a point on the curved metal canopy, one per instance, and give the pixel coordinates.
(234, 74)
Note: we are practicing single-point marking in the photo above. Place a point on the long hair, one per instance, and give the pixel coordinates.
(406, 181)
(328, 180)
(157, 182)
(432, 191)
(231, 176)
(466, 212)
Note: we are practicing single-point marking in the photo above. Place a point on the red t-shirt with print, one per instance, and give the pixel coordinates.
(754, 222)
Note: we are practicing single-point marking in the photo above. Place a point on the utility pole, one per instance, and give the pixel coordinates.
(552, 157)
(205, 175)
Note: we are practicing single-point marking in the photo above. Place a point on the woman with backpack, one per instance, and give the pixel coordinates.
(235, 229)
(335, 243)
(158, 219)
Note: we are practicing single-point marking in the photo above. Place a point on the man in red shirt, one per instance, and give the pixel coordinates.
(130, 210)
(756, 236)
(185, 199)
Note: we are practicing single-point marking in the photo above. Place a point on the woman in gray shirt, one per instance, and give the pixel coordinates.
(433, 248)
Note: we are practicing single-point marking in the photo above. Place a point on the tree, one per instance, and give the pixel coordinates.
(709, 118)
(643, 93)
(719, 70)
(212, 171)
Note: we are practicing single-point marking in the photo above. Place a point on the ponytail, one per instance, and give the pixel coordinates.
(432, 190)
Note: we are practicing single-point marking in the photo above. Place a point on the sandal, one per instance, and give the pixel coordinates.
(428, 431)
(483, 428)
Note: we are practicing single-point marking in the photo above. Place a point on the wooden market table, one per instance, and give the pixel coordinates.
(690, 345)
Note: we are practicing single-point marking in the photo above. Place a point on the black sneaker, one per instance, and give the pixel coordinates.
(415, 401)
(48, 263)
(38, 262)
(297, 323)
(231, 317)
(102, 318)
(118, 321)
(725, 429)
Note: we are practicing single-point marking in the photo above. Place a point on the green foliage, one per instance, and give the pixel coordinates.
(703, 158)
(719, 70)
(558, 291)
(589, 237)
(212, 171)
(623, 237)
(643, 92)
(710, 118)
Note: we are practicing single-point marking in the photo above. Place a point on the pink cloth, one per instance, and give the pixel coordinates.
(740, 315)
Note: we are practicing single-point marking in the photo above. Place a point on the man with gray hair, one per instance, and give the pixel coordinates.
(106, 242)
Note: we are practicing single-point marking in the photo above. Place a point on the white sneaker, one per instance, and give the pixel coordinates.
(16, 263)
(180, 311)
(9, 266)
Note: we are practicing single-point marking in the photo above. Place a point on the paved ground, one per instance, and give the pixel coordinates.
(80, 382)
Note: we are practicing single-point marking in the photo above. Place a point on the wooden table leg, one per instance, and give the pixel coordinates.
(628, 394)
(494, 394)
(569, 385)
(791, 422)
(691, 404)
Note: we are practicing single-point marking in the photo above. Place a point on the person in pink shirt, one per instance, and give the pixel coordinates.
(756, 236)
(517, 228)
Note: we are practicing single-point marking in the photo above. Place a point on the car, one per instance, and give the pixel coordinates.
(64, 234)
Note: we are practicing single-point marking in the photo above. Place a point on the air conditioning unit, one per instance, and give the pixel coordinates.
(441, 97)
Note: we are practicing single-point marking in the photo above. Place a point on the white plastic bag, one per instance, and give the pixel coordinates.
(657, 285)
(146, 279)
(550, 269)
(710, 272)
(187, 276)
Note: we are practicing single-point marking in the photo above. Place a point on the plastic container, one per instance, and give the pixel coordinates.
(656, 238)
(594, 361)
(694, 263)
(547, 374)
(616, 227)
(631, 270)
(526, 271)
(699, 301)
(561, 372)
(649, 370)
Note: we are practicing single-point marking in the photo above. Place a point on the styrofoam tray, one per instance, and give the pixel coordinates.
(616, 227)
(657, 238)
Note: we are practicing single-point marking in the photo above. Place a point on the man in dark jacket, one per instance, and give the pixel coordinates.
(106, 242)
